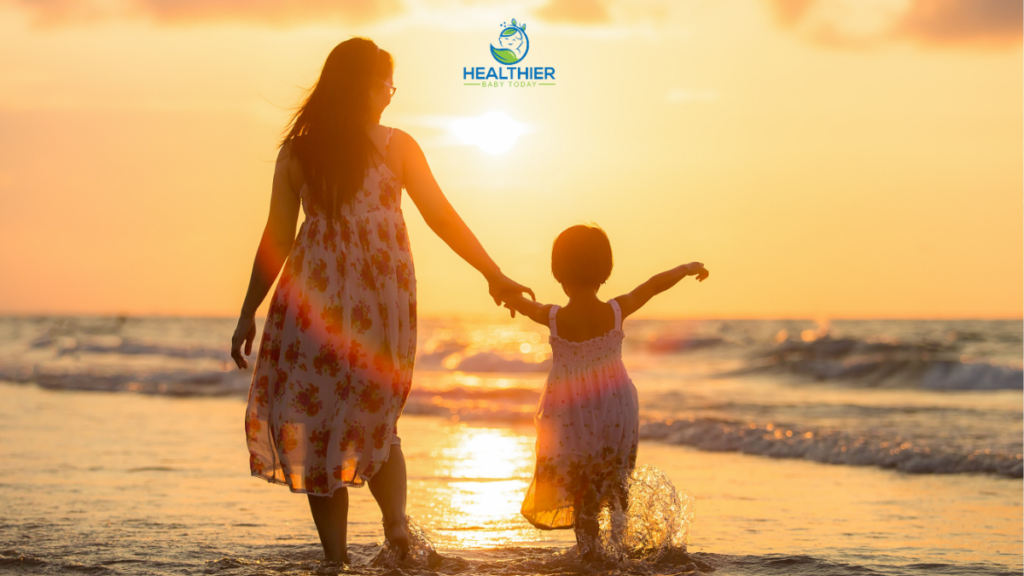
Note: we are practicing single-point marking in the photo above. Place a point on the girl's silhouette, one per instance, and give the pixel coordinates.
(588, 417)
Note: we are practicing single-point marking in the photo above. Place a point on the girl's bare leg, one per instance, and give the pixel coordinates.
(330, 514)
(388, 487)
(586, 526)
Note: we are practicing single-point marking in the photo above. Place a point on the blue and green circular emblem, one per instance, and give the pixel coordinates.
(513, 44)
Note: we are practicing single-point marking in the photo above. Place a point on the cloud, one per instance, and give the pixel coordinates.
(789, 12)
(932, 22)
(573, 16)
(574, 12)
(269, 12)
(964, 20)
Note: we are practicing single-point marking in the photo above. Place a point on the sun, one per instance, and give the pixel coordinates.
(493, 132)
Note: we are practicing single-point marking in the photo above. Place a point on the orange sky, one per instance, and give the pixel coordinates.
(831, 158)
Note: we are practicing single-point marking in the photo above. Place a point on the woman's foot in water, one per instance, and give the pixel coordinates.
(396, 533)
(339, 559)
(589, 556)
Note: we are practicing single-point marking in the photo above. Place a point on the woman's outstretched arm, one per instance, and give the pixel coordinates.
(276, 243)
(658, 283)
(445, 221)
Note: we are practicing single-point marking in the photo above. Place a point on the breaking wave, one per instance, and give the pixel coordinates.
(928, 365)
(833, 447)
(111, 344)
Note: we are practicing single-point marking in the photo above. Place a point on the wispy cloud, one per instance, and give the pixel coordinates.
(575, 12)
(964, 20)
(603, 17)
(600, 17)
(269, 12)
(849, 23)
(855, 23)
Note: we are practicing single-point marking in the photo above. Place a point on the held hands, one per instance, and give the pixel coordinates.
(501, 287)
(695, 269)
(245, 333)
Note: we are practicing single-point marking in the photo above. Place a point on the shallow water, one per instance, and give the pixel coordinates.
(101, 482)
(121, 449)
(919, 396)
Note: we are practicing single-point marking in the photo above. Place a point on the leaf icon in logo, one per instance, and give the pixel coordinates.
(504, 55)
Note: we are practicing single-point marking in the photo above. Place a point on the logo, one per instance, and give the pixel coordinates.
(513, 44)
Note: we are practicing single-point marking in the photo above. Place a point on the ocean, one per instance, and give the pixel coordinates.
(776, 447)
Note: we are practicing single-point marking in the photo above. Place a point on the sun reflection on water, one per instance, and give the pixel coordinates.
(487, 453)
(488, 471)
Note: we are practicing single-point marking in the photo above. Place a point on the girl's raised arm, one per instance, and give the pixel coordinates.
(445, 221)
(633, 301)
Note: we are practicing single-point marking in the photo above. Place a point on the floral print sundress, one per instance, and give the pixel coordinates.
(335, 361)
(587, 427)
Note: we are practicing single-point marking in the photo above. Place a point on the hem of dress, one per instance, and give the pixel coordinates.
(545, 526)
(273, 480)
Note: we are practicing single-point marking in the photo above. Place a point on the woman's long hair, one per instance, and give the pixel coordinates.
(328, 131)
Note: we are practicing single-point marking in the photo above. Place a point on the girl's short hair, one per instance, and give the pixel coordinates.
(582, 255)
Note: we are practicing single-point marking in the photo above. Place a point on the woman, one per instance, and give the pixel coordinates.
(335, 362)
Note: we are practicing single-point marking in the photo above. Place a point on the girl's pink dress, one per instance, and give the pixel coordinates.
(335, 361)
(587, 426)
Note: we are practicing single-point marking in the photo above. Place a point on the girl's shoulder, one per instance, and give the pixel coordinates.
(611, 304)
(616, 309)
(580, 325)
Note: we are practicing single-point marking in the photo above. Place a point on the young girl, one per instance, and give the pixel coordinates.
(588, 418)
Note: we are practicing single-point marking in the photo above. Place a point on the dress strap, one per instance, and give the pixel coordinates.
(551, 320)
(618, 313)
(387, 143)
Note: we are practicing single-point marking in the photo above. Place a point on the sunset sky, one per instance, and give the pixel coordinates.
(823, 158)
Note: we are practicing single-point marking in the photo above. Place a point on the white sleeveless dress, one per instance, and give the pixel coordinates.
(335, 362)
(587, 426)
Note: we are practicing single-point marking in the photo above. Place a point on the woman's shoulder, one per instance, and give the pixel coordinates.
(396, 132)
(288, 159)
(401, 141)
(399, 137)
(289, 151)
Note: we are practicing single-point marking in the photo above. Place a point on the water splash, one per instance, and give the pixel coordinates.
(422, 553)
(656, 522)
(653, 531)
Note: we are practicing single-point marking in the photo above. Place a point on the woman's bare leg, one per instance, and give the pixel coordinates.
(388, 487)
(330, 514)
